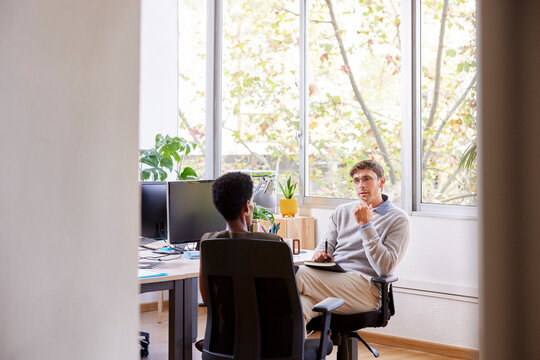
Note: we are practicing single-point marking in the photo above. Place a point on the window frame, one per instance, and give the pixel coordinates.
(411, 178)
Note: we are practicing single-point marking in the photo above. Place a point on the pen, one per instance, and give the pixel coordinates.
(325, 251)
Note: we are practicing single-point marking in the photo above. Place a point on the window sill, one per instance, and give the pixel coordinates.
(456, 212)
(447, 211)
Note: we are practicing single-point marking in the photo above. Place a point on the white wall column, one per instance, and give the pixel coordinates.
(69, 219)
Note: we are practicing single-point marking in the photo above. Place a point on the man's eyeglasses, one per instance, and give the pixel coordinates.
(364, 179)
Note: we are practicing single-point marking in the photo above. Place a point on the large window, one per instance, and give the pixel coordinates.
(448, 101)
(192, 25)
(310, 87)
(260, 92)
(353, 97)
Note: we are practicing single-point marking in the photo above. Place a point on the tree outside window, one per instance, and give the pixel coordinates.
(448, 78)
(353, 93)
(192, 27)
(352, 86)
(260, 91)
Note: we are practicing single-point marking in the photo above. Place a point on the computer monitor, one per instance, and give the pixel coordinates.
(154, 209)
(191, 211)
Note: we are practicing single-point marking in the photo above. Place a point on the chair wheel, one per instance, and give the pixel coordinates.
(144, 342)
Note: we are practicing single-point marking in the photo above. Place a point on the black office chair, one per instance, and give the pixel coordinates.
(254, 309)
(344, 327)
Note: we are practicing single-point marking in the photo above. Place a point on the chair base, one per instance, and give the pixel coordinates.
(348, 346)
(356, 336)
(145, 343)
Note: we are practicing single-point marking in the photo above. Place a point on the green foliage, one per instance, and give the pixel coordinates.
(262, 214)
(260, 102)
(161, 159)
(289, 189)
(468, 159)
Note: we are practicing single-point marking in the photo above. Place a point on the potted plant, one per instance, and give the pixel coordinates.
(260, 213)
(288, 206)
(165, 157)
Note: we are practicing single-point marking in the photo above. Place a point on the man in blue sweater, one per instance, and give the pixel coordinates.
(366, 238)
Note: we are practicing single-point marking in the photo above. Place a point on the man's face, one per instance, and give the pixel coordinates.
(368, 187)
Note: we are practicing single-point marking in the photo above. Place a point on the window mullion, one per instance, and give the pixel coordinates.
(407, 96)
(303, 118)
(416, 115)
(213, 89)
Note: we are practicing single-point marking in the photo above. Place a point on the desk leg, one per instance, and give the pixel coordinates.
(187, 323)
(159, 306)
(180, 320)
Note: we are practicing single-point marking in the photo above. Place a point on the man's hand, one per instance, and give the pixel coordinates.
(363, 213)
(322, 256)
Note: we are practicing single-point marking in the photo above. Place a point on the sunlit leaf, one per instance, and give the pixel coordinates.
(187, 174)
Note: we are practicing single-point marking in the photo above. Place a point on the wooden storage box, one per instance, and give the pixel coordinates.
(298, 227)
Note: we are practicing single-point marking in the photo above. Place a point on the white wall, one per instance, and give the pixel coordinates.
(437, 292)
(69, 194)
(159, 70)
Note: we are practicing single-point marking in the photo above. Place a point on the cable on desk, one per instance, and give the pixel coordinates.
(164, 257)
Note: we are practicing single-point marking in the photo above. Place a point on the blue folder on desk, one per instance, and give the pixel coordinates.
(192, 255)
(143, 274)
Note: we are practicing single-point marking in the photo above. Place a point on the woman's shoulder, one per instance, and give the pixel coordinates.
(265, 236)
(215, 235)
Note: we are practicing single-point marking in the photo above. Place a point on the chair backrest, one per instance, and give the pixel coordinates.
(387, 309)
(254, 309)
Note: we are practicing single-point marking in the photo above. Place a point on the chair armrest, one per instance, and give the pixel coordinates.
(387, 297)
(384, 279)
(328, 305)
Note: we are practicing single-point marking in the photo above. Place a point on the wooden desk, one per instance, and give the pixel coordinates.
(182, 281)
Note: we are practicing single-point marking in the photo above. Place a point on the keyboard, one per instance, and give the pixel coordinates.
(145, 240)
(149, 264)
(150, 243)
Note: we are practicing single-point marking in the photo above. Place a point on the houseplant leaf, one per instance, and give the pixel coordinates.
(187, 174)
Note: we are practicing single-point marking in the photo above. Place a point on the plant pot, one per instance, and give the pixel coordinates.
(288, 207)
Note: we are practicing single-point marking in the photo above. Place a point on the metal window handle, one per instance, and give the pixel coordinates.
(299, 138)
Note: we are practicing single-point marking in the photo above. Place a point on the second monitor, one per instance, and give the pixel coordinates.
(154, 209)
(191, 212)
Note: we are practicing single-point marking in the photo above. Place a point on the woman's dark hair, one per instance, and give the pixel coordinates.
(230, 192)
(367, 164)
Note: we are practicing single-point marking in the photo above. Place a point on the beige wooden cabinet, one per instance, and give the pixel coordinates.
(298, 227)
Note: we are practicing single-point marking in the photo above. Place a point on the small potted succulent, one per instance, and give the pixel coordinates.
(288, 207)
